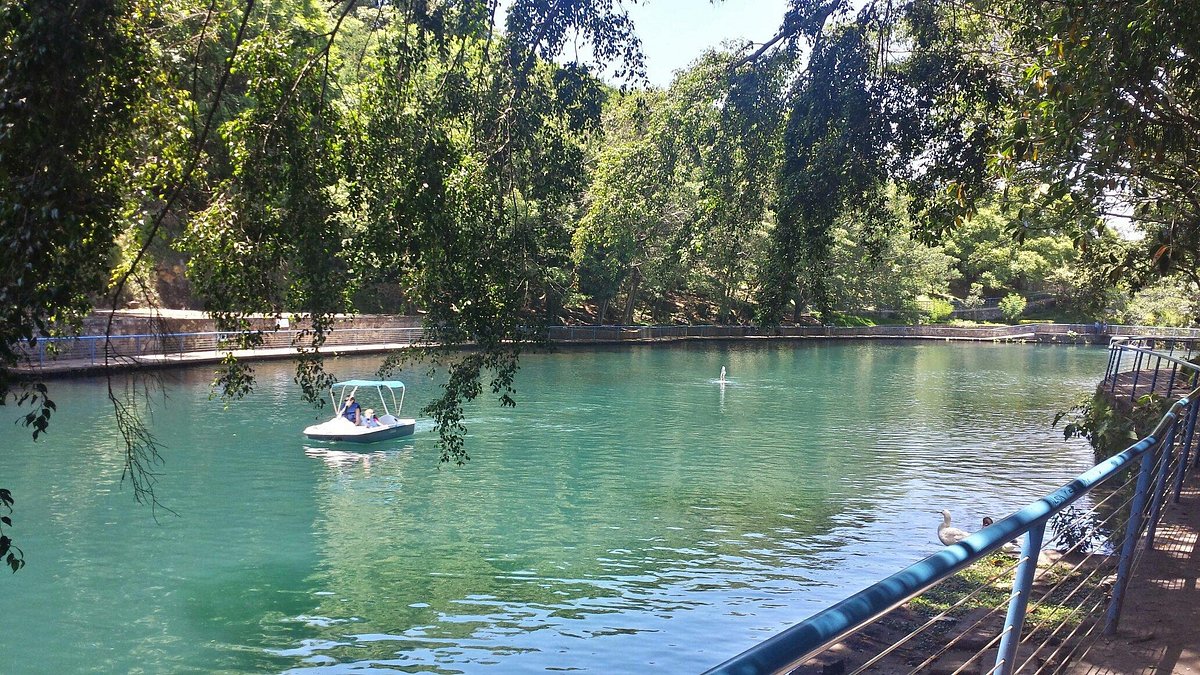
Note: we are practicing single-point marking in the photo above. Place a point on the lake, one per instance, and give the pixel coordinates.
(630, 514)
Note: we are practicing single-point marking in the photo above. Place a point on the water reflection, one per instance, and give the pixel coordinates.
(345, 459)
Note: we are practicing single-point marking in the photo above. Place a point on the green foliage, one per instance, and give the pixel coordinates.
(929, 85)
(1077, 529)
(680, 189)
(886, 270)
(1012, 306)
(829, 168)
(465, 168)
(68, 81)
(602, 257)
(1107, 108)
(1167, 302)
(70, 87)
(862, 117)
(9, 553)
(1110, 430)
(848, 320)
(939, 310)
(989, 255)
(1095, 289)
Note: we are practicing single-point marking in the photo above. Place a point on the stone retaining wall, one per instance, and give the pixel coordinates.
(142, 340)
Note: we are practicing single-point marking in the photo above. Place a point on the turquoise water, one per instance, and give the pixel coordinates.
(630, 514)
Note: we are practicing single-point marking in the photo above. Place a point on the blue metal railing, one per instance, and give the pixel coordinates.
(1169, 445)
(1138, 366)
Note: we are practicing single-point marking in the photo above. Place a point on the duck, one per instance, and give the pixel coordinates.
(1010, 547)
(950, 535)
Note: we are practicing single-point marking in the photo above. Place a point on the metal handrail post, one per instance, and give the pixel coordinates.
(1006, 657)
(1108, 369)
(1185, 452)
(1160, 484)
(1171, 384)
(1132, 528)
(1116, 369)
(1154, 380)
(1137, 374)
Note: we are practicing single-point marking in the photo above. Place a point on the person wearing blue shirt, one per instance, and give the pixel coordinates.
(351, 411)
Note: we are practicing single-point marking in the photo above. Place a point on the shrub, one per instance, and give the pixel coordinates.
(1077, 529)
(1012, 306)
(1110, 430)
(939, 310)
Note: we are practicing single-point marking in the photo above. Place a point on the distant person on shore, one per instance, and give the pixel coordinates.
(371, 420)
(351, 411)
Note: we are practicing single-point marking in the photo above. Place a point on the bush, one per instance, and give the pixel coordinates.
(939, 310)
(1077, 529)
(1012, 306)
(1110, 430)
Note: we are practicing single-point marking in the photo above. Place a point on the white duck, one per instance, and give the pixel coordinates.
(950, 535)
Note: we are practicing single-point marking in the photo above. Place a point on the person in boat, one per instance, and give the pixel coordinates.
(351, 411)
(371, 420)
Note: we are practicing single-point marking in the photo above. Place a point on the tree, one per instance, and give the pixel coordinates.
(731, 122)
(633, 206)
(680, 188)
(1109, 116)
(885, 270)
(466, 160)
(988, 254)
(1084, 108)
(888, 94)
(1169, 302)
(219, 129)
(69, 86)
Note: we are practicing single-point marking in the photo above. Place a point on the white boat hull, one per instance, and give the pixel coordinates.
(342, 429)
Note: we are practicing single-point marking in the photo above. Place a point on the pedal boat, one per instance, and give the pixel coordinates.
(341, 429)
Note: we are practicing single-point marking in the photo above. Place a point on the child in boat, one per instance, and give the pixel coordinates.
(371, 420)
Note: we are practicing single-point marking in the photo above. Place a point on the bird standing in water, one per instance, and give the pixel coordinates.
(950, 535)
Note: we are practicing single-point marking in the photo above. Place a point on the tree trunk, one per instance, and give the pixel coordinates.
(629, 302)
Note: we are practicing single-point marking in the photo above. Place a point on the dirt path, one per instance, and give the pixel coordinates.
(1160, 625)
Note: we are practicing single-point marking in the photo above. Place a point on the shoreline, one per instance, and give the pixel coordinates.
(86, 355)
(149, 342)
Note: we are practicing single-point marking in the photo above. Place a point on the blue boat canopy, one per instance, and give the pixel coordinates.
(390, 384)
